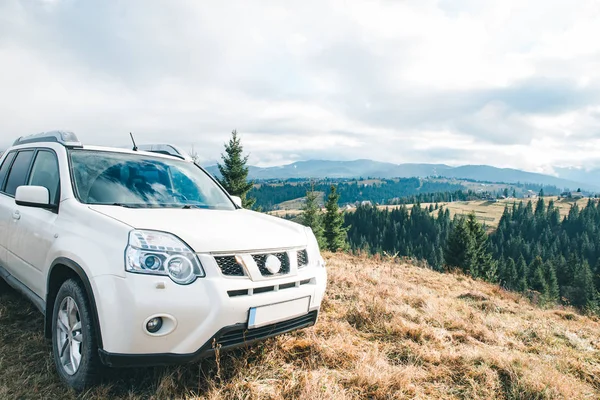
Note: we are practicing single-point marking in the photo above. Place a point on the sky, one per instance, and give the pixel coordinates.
(508, 83)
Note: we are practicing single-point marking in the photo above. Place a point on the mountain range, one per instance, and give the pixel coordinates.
(320, 169)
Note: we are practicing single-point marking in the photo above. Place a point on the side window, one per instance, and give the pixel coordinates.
(5, 166)
(18, 173)
(45, 173)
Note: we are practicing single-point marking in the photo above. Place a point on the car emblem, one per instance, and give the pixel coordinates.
(272, 264)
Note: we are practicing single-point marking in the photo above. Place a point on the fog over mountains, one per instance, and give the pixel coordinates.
(569, 178)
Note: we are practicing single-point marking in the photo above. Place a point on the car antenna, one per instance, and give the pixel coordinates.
(135, 148)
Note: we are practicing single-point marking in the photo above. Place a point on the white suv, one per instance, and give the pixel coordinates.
(137, 258)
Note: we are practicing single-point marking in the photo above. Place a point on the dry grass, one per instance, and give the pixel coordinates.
(387, 331)
(297, 204)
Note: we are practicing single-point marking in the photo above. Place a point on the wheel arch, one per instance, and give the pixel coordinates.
(61, 270)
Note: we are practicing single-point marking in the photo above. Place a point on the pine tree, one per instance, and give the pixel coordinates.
(311, 216)
(521, 285)
(540, 206)
(481, 263)
(553, 293)
(234, 171)
(510, 276)
(459, 248)
(335, 233)
(597, 275)
(584, 294)
(537, 281)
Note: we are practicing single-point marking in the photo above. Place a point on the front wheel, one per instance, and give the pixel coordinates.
(74, 345)
(3, 286)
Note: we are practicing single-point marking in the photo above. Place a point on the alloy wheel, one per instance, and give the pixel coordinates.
(69, 334)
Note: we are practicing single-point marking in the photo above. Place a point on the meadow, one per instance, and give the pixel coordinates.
(388, 330)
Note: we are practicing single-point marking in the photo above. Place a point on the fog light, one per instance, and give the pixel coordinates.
(154, 325)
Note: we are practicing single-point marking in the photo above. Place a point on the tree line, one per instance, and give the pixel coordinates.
(386, 191)
(558, 257)
(268, 196)
(533, 251)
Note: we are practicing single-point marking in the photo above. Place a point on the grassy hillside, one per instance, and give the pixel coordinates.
(297, 204)
(387, 330)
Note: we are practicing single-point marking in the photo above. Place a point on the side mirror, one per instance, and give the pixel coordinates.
(33, 196)
(237, 201)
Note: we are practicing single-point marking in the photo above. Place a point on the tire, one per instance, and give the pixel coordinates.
(4, 287)
(74, 345)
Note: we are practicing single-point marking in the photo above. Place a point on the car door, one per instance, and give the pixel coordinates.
(6, 203)
(16, 176)
(32, 231)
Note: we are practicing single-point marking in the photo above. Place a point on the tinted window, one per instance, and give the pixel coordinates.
(18, 173)
(45, 173)
(5, 166)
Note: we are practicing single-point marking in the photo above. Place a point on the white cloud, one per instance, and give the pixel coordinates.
(504, 82)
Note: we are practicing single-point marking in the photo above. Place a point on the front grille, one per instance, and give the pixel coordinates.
(243, 336)
(266, 289)
(283, 257)
(229, 266)
(302, 258)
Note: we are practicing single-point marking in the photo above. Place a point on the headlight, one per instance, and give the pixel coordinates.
(160, 253)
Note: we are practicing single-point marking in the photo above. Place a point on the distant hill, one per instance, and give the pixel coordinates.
(580, 175)
(320, 169)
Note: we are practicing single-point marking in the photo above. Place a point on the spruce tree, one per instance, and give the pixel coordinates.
(596, 273)
(459, 248)
(510, 276)
(537, 281)
(234, 173)
(584, 294)
(521, 285)
(335, 233)
(311, 216)
(481, 262)
(540, 206)
(553, 293)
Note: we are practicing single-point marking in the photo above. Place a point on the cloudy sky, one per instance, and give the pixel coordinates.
(509, 83)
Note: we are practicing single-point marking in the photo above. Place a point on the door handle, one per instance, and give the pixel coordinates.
(16, 214)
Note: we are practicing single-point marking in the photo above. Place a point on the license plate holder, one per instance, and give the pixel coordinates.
(277, 312)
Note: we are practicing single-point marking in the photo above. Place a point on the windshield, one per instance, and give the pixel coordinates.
(138, 180)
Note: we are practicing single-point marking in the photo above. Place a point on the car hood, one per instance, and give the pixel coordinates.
(214, 230)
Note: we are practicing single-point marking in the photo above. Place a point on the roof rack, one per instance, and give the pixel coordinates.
(66, 138)
(167, 149)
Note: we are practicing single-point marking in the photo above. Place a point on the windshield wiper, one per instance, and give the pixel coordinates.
(124, 205)
(190, 206)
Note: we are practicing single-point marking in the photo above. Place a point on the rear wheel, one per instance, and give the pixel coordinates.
(74, 343)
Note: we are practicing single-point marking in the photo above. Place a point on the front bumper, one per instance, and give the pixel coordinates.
(212, 308)
(228, 338)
